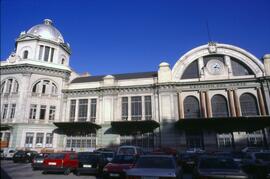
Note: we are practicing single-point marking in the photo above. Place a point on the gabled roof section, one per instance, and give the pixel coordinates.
(117, 77)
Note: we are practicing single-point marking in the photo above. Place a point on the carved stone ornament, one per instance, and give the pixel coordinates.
(12, 57)
(212, 48)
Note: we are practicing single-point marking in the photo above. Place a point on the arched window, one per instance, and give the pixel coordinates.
(191, 107)
(219, 106)
(15, 87)
(9, 86)
(44, 87)
(36, 87)
(3, 86)
(239, 68)
(192, 71)
(54, 89)
(25, 54)
(63, 61)
(249, 106)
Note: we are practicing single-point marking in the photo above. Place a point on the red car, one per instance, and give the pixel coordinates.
(117, 167)
(61, 162)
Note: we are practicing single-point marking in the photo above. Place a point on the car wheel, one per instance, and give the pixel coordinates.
(67, 171)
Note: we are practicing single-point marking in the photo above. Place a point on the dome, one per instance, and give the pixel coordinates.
(46, 31)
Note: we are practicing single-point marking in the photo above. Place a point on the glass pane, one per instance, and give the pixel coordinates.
(46, 54)
(191, 71)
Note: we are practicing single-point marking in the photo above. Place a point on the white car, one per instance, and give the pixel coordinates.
(8, 153)
(129, 150)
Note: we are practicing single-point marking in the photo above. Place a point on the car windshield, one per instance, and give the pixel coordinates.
(108, 155)
(126, 151)
(123, 159)
(218, 163)
(20, 152)
(56, 156)
(155, 162)
(88, 157)
(263, 156)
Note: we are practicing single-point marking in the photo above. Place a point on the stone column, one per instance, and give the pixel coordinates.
(180, 106)
(261, 101)
(208, 104)
(231, 102)
(76, 110)
(236, 102)
(203, 104)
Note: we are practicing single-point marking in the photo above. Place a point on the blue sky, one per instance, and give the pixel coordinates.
(121, 36)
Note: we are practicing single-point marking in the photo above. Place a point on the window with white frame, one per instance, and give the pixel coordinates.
(44, 87)
(72, 110)
(46, 53)
(25, 54)
(93, 109)
(224, 140)
(148, 107)
(87, 141)
(124, 108)
(33, 111)
(12, 111)
(42, 112)
(39, 138)
(49, 139)
(29, 139)
(136, 108)
(52, 113)
(4, 111)
(82, 112)
(9, 86)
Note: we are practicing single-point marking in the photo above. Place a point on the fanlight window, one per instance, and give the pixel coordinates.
(45, 87)
(219, 106)
(9, 86)
(249, 106)
(239, 68)
(191, 107)
(191, 71)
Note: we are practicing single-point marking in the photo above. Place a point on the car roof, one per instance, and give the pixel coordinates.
(158, 156)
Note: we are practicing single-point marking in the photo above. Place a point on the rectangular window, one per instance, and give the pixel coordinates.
(39, 138)
(12, 111)
(52, 52)
(72, 110)
(68, 143)
(124, 108)
(41, 48)
(49, 138)
(9, 85)
(93, 108)
(45, 85)
(29, 139)
(52, 113)
(33, 111)
(42, 112)
(46, 53)
(5, 110)
(136, 108)
(82, 113)
(148, 107)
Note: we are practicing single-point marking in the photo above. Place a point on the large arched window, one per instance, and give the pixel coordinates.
(45, 87)
(191, 107)
(25, 54)
(219, 106)
(9, 85)
(239, 68)
(249, 106)
(192, 71)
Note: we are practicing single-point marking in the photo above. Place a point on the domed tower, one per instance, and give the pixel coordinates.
(43, 43)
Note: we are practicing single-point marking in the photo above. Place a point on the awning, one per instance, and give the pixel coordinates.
(225, 124)
(76, 128)
(5, 127)
(134, 127)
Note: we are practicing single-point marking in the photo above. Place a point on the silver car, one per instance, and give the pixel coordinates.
(155, 166)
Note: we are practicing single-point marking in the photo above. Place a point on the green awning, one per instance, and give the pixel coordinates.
(225, 124)
(76, 128)
(5, 127)
(134, 127)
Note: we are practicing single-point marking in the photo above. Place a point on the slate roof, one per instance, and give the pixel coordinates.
(117, 77)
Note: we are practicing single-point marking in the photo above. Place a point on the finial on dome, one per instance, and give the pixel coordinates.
(48, 21)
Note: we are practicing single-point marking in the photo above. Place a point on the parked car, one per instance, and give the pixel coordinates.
(8, 153)
(155, 166)
(90, 163)
(237, 156)
(257, 163)
(61, 162)
(37, 162)
(108, 156)
(218, 167)
(188, 160)
(117, 167)
(129, 150)
(24, 156)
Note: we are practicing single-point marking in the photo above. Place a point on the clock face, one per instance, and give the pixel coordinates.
(215, 67)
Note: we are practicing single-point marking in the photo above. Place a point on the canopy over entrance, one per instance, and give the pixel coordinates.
(225, 124)
(76, 128)
(134, 127)
(5, 127)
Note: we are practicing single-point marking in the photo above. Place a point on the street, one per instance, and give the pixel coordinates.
(23, 171)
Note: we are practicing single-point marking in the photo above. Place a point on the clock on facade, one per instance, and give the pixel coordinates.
(215, 67)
